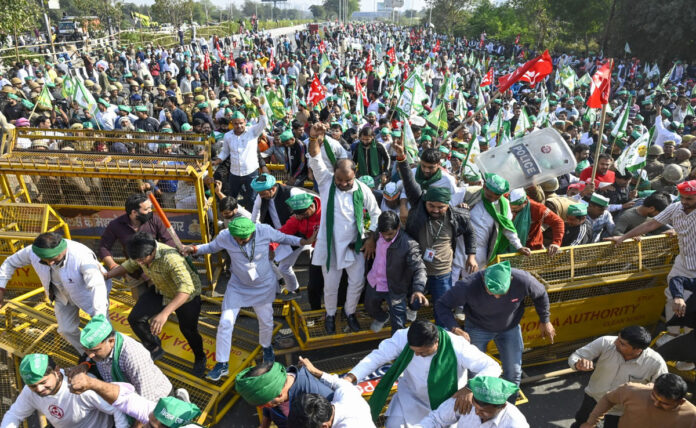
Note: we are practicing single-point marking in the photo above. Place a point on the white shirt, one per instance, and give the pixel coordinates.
(411, 402)
(611, 370)
(664, 134)
(336, 147)
(350, 408)
(445, 415)
(107, 119)
(345, 231)
(484, 226)
(64, 409)
(685, 226)
(242, 149)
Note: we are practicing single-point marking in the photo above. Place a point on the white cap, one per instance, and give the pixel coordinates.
(517, 194)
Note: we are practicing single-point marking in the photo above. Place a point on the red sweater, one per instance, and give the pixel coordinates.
(542, 215)
(586, 174)
(304, 227)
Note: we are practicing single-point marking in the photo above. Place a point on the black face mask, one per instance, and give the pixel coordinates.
(144, 218)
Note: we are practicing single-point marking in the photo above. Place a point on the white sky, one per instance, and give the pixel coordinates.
(365, 5)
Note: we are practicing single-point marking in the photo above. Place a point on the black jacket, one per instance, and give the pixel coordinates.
(405, 268)
(283, 210)
(418, 215)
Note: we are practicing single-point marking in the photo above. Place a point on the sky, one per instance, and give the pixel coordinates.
(365, 5)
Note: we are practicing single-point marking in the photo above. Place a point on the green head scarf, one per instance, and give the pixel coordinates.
(261, 389)
(492, 390)
(49, 253)
(497, 278)
(241, 227)
(438, 194)
(263, 182)
(94, 333)
(33, 368)
(174, 413)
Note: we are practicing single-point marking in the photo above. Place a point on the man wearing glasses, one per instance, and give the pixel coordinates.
(72, 278)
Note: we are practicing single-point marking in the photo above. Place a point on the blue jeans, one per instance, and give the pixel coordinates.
(396, 303)
(242, 185)
(437, 285)
(509, 343)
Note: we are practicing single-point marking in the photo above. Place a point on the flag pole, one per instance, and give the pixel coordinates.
(598, 150)
(471, 119)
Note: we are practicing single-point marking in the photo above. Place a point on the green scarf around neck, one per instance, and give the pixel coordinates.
(522, 222)
(116, 373)
(442, 376)
(373, 168)
(501, 242)
(358, 203)
(329, 152)
(423, 182)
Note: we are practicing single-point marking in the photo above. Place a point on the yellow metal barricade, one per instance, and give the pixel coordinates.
(86, 176)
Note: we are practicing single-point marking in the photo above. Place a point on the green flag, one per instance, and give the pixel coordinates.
(324, 63)
(665, 80)
(619, 130)
(277, 105)
(568, 78)
(68, 90)
(84, 98)
(460, 111)
(419, 95)
(585, 80)
(543, 115)
(45, 99)
(410, 144)
(381, 71)
(438, 117)
(633, 158)
(523, 123)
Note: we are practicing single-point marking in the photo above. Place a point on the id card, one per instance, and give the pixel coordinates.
(251, 270)
(429, 255)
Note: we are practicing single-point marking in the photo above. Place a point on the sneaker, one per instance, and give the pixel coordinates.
(353, 323)
(199, 367)
(268, 355)
(377, 325)
(157, 353)
(411, 314)
(220, 370)
(459, 314)
(183, 395)
(685, 366)
(330, 324)
(664, 339)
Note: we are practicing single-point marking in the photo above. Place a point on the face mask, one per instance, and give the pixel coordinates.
(144, 218)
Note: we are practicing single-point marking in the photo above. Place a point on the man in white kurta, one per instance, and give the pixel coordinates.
(411, 402)
(330, 159)
(345, 233)
(252, 283)
(72, 278)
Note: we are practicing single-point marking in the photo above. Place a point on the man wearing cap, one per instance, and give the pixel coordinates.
(46, 390)
(295, 158)
(668, 180)
(124, 112)
(490, 395)
(391, 196)
(170, 412)
(431, 366)
(273, 388)
(176, 289)
(666, 133)
(493, 301)
(680, 216)
(667, 157)
(14, 109)
(577, 230)
(599, 217)
(106, 116)
(371, 157)
(120, 358)
(252, 282)
(145, 122)
(241, 147)
(71, 276)
(529, 216)
(346, 203)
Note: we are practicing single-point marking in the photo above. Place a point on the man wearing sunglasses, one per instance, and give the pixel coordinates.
(72, 278)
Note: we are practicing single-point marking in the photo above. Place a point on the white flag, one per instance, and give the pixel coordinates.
(633, 158)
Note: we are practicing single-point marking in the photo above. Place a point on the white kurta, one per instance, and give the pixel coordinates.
(445, 415)
(484, 228)
(64, 409)
(242, 287)
(242, 149)
(411, 403)
(345, 231)
(336, 147)
(351, 409)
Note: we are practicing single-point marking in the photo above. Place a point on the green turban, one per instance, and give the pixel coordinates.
(492, 390)
(458, 155)
(261, 389)
(241, 227)
(496, 184)
(369, 181)
(577, 210)
(49, 253)
(300, 202)
(95, 332)
(263, 182)
(174, 413)
(497, 278)
(438, 194)
(286, 136)
(33, 368)
(103, 102)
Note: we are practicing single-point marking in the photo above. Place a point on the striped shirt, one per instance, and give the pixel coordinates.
(685, 226)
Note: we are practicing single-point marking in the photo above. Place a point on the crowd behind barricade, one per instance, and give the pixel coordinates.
(378, 129)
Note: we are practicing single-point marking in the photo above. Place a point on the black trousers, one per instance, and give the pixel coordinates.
(682, 348)
(588, 404)
(150, 304)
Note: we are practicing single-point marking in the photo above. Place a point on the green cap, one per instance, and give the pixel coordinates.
(369, 181)
(95, 332)
(497, 278)
(173, 413)
(300, 202)
(141, 109)
(87, 125)
(286, 136)
(396, 133)
(458, 155)
(600, 200)
(50, 253)
(258, 390)
(13, 97)
(33, 368)
(635, 134)
(237, 115)
(666, 112)
(645, 193)
(241, 227)
(582, 165)
(438, 194)
(496, 183)
(639, 117)
(444, 150)
(202, 105)
(27, 104)
(492, 390)
(124, 108)
(103, 102)
(186, 127)
(577, 210)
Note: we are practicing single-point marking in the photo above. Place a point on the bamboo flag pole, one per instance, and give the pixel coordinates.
(600, 138)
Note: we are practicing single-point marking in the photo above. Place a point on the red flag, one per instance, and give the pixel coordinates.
(483, 39)
(517, 40)
(206, 61)
(437, 46)
(361, 92)
(392, 55)
(317, 92)
(634, 68)
(222, 57)
(533, 70)
(368, 63)
(521, 55)
(322, 47)
(488, 78)
(601, 86)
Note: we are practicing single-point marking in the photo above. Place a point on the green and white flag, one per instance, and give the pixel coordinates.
(568, 78)
(481, 104)
(665, 80)
(410, 145)
(84, 98)
(627, 48)
(261, 94)
(324, 63)
(585, 80)
(45, 99)
(523, 123)
(438, 117)
(276, 105)
(394, 71)
(633, 158)
(619, 130)
(405, 102)
(381, 71)
(419, 95)
(543, 116)
(68, 90)
(460, 111)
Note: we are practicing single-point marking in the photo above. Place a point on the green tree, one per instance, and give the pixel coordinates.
(18, 16)
(175, 12)
(318, 11)
(331, 8)
(445, 14)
